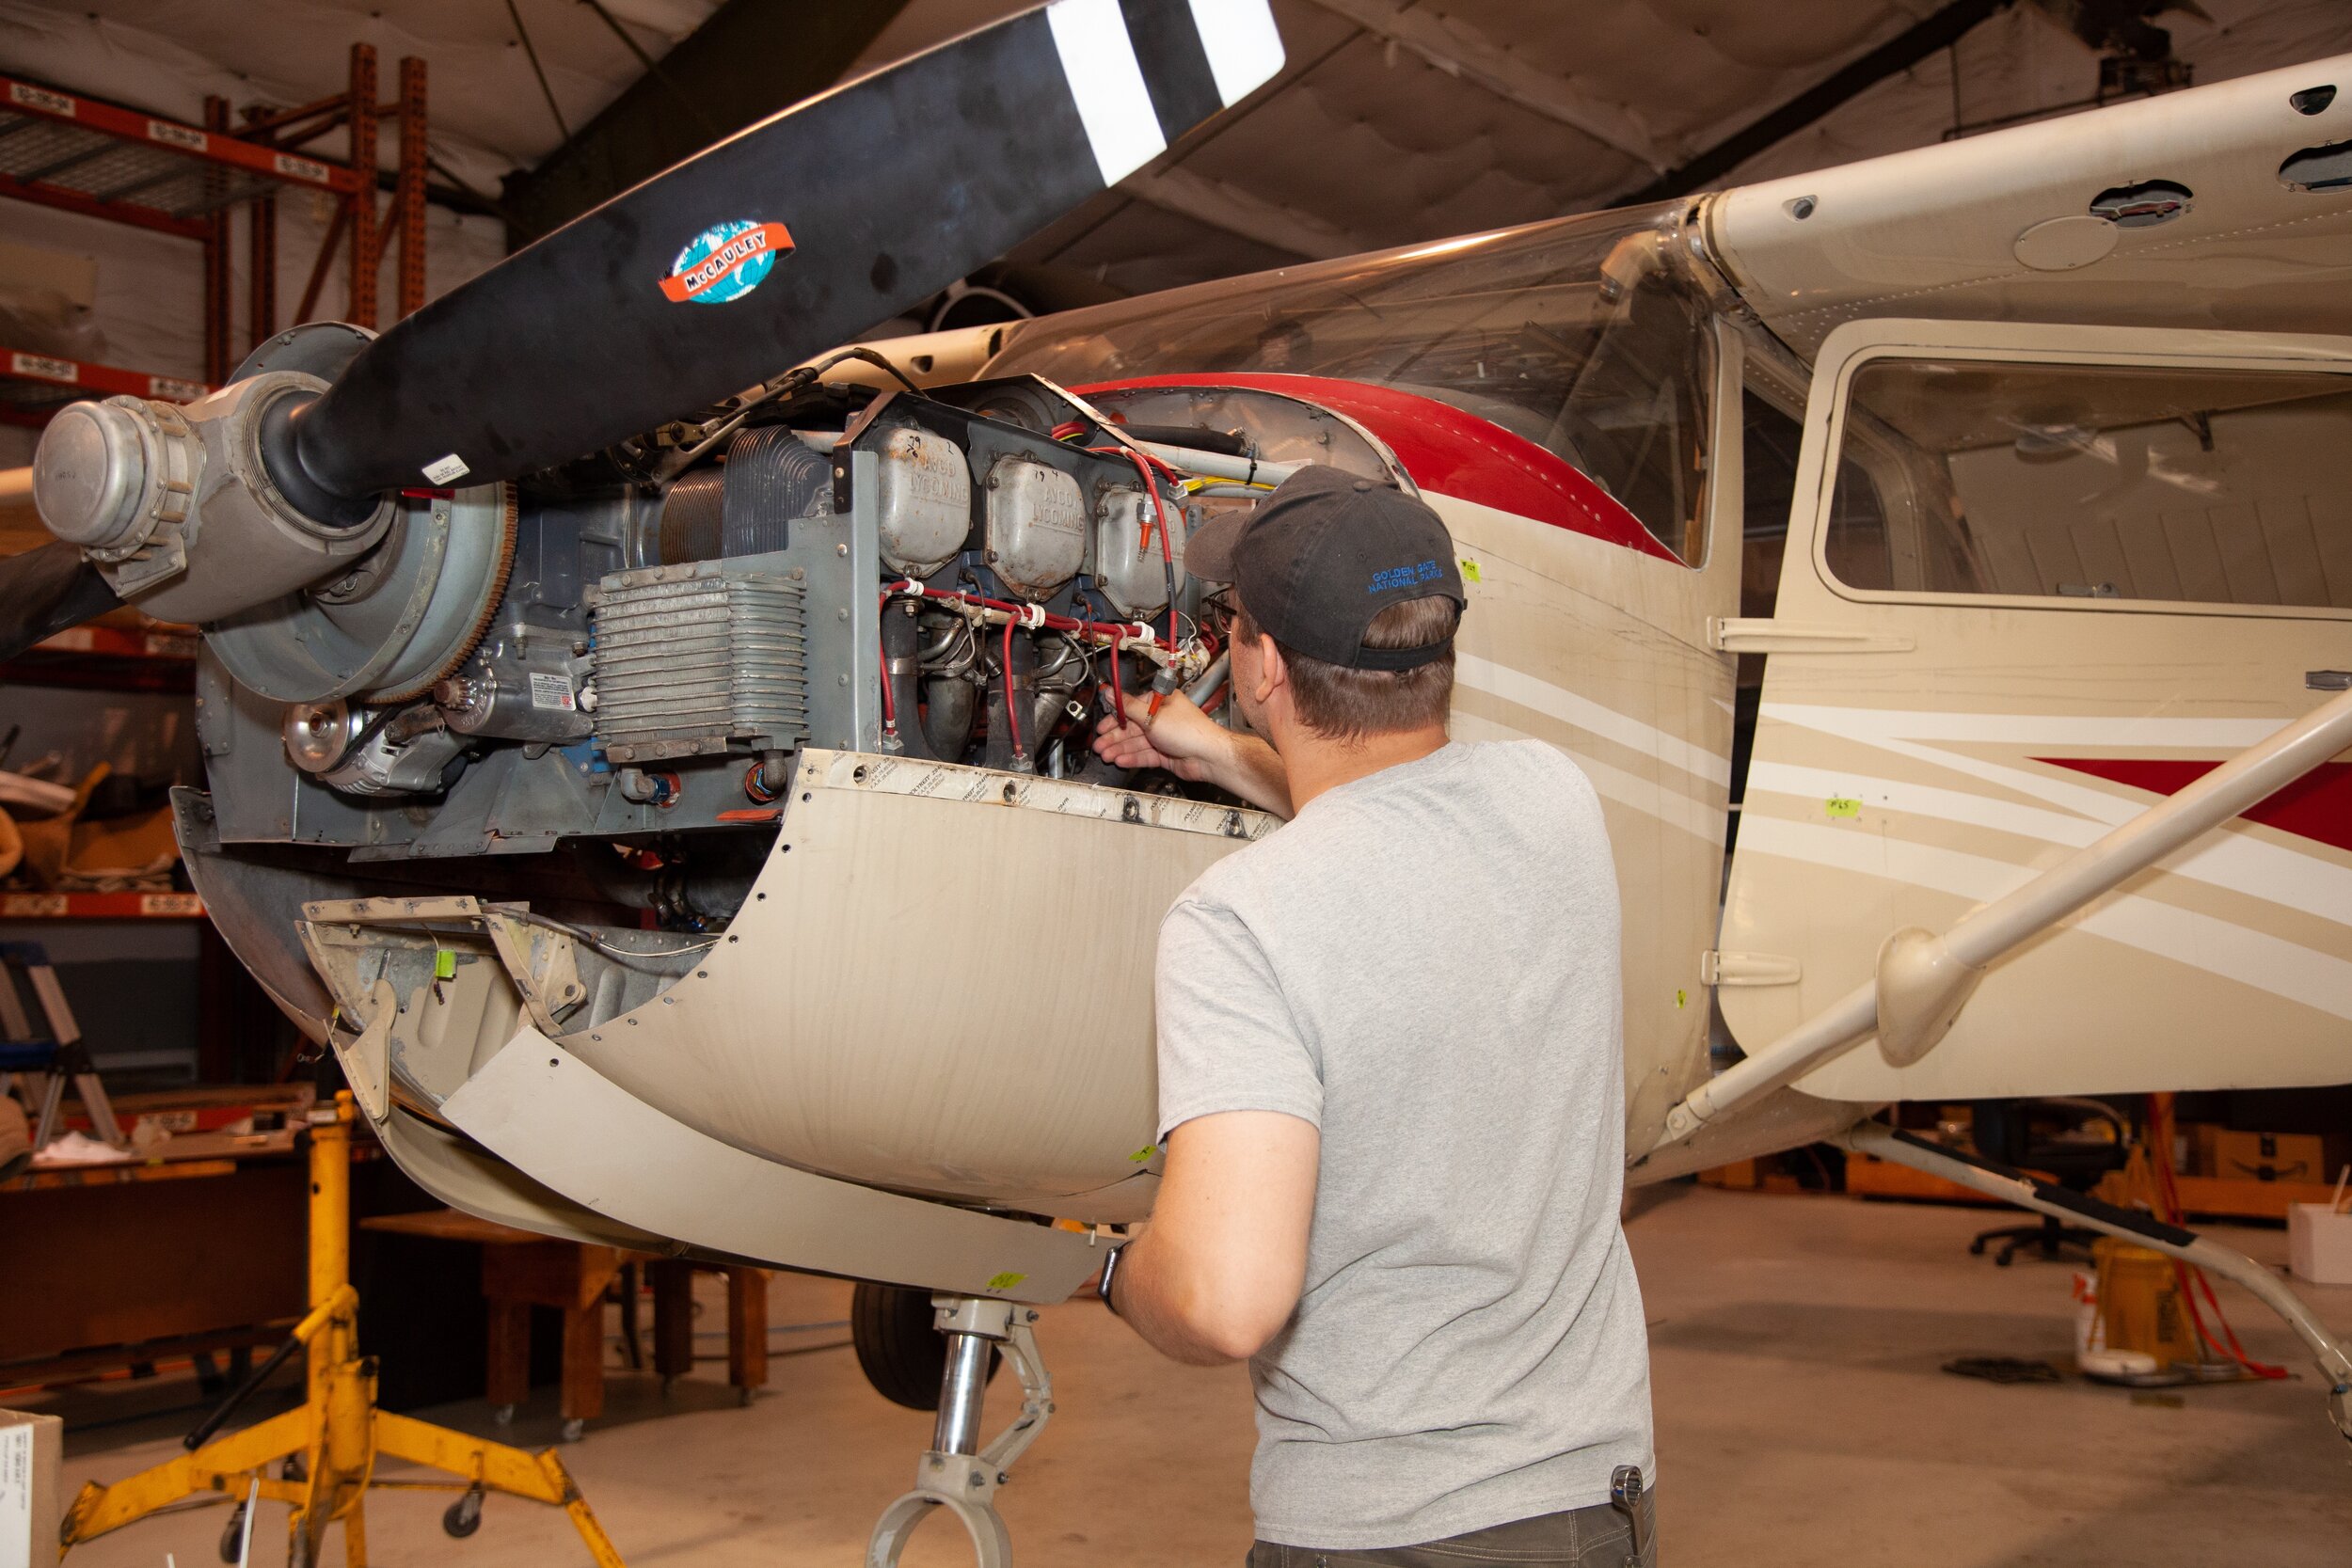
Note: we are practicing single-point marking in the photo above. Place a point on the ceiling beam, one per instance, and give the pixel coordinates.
(1460, 51)
(1236, 212)
(1939, 29)
(750, 59)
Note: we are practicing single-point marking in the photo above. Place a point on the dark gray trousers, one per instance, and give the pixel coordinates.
(1594, 1537)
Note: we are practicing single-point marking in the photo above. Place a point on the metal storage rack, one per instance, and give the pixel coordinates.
(81, 155)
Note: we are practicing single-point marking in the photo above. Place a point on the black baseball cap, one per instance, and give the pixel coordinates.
(1323, 555)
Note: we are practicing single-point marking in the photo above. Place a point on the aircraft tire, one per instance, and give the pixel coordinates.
(901, 1354)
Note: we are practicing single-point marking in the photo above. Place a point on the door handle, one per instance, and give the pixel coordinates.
(2328, 680)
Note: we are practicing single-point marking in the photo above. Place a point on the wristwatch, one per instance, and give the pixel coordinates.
(1110, 1271)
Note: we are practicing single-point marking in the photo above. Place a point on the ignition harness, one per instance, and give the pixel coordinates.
(1012, 720)
(890, 699)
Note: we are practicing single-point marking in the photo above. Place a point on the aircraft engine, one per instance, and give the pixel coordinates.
(675, 618)
(732, 713)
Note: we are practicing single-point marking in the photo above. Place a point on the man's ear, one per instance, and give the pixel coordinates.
(1274, 671)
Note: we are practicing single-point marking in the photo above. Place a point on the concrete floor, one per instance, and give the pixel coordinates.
(1803, 1419)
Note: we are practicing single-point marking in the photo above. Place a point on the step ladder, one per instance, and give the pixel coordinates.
(35, 1066)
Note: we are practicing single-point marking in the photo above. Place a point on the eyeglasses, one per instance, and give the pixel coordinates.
(1217, 612)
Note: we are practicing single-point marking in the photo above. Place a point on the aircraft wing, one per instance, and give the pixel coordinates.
(2229, 206)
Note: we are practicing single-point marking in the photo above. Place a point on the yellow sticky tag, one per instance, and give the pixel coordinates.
(1469, 571)
(1838, 805)
(444, 964)
(1144, 1153)
(1005, 1281)
(1681, 996)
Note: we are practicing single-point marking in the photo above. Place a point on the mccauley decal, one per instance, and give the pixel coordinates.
(725, 262)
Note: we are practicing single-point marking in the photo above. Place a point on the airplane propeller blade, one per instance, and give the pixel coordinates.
(45, 591)
(793, 235)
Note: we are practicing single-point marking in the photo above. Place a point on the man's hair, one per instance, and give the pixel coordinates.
(1341, 702)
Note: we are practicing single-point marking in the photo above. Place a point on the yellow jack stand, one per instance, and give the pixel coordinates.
(338, 1430)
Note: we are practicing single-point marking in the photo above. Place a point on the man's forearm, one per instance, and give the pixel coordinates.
(1251, 769)
(1144, 1294)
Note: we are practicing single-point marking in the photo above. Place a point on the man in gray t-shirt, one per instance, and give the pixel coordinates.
(1392, 1081)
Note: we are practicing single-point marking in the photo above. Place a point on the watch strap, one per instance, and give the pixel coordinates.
(1110, 1272)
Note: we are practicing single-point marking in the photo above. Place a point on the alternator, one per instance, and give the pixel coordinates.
(692, 658)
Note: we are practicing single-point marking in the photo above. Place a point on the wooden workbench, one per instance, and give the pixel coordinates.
(523, 1269)
(123, 1264)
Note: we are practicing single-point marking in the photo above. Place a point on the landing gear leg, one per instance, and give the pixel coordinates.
(2048, 1198)
(957, 1474)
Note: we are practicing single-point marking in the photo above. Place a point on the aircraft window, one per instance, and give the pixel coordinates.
(1573, 334)
(1769, 448)
(2100, 482)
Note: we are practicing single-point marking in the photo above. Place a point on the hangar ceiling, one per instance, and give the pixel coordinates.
(1394, 121)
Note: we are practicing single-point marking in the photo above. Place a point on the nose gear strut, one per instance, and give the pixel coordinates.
(957, 1474)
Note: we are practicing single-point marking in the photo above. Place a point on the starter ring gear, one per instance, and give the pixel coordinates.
(416, 612)
(509, 512)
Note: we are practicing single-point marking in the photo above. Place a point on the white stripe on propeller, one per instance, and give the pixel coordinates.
(1099, 61)
(1244, 49)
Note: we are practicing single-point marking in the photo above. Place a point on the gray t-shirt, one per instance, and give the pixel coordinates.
(1425, 965)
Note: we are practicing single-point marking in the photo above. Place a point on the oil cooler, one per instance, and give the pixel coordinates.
(694, 657)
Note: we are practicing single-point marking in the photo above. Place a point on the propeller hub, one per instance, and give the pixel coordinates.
(90, 474)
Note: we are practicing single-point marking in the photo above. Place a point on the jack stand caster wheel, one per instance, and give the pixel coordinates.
(1975, 1248)
(233, 1534)
(574, 1430)
(2003, 1259)
(744, 1395)
(463, 1518)
(503, 1415)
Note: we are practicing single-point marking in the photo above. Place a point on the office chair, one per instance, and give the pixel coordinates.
(2060, 1138)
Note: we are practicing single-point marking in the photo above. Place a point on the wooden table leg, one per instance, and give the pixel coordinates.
(584, 1362)
(672, 1315)
(747, 1329)
(510, 1355)
(632, 1343)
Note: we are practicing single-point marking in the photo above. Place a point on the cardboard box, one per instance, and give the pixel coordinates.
(2270, 1156)
(31, 1449)
(2319, 1244)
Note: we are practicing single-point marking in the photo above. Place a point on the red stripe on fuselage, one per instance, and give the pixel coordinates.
(2316, 806)
(1453, 453)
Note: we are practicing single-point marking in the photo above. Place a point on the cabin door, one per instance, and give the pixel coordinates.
(2036, 578)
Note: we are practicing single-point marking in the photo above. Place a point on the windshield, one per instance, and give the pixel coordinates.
(1571, 334)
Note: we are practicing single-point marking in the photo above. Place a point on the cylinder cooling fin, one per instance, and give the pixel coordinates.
(747, 504)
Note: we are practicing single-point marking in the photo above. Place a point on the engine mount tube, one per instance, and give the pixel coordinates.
(1018, 666)
(901, 641)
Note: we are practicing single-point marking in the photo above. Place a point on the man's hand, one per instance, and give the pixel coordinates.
(1180, 738)
(1192, 746)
